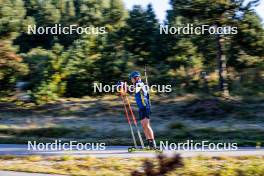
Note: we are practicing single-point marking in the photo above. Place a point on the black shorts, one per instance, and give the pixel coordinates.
(143, 113)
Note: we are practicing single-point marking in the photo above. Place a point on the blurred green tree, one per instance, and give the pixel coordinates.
(220, 13)
(12, 18)
(12, 21)
(141, 34)
(48, 71)
(68, 65)
(11, 67)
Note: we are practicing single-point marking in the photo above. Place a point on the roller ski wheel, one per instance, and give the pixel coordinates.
(131, 149)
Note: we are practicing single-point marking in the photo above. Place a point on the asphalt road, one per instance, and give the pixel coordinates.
(121, 151)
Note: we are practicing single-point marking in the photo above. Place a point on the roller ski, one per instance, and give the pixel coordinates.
(146, 149)
(151, 147)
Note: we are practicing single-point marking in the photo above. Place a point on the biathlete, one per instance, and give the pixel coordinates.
(143, 103)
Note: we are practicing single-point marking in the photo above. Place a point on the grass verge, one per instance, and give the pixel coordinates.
(198, 166)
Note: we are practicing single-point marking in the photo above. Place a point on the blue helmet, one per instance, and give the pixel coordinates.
(134, 74)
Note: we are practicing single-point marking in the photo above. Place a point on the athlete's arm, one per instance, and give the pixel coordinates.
(138, 95)
(146, 97)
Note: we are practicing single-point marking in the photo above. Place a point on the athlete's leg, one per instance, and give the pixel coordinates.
(147, 128)
(144, 126)
(148, 132)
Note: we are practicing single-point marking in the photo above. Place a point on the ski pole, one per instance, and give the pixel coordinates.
(146, 75)
(146, 78)
(135, 122)
(129, 122)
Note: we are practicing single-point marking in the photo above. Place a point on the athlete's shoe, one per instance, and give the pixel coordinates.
(151, 144)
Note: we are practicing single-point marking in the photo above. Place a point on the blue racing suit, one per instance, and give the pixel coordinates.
(142, 100)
